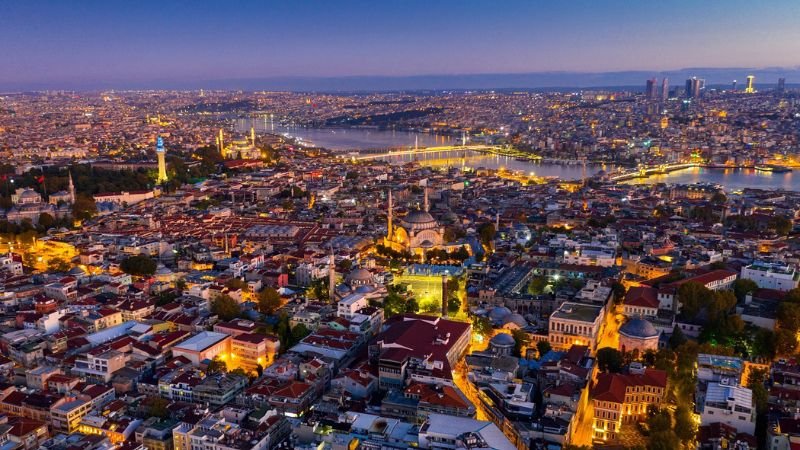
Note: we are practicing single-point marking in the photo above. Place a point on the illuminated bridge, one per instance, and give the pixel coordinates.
(422, 151)
(646, 171)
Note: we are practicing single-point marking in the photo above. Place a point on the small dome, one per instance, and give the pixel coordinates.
(360, 274)
(161, 269)
(76, 271)
(638, 328)
(28, 194)
(502, 340)
(499, 313)
(426, 244)
(419, 217)
(366, 289)
(517, 320)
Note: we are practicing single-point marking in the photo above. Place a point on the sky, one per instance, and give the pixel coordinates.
(134, 42)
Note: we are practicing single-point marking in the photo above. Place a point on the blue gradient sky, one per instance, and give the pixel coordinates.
(141, 40)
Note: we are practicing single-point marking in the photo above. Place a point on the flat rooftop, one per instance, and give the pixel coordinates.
(201, 341)
(578, 311)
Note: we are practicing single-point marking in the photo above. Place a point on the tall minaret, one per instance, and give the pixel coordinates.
(390, 216)
(331, 276)
(71, 188)
(427, 204)
(253, 136)
(221, 144)
(162, 164)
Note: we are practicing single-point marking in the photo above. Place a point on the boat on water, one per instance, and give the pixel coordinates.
(773, 168)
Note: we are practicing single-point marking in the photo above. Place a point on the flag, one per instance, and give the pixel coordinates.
(40, 179)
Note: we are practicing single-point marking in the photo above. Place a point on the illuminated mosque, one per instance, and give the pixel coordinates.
(417, 232)
(243, 148)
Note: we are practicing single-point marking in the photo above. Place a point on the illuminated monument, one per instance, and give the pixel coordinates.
(750, 88)
(162, 164)
(417, 232)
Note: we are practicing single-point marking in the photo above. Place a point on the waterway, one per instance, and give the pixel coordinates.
(347, 139)
(354, 139)
(730, 179)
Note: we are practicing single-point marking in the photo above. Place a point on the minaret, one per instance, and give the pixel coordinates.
(221, 144)
(427, 204)
(444, 294)
(71, 188)
(253, 136)
(390, 216)
(162, 164)
(331, 276)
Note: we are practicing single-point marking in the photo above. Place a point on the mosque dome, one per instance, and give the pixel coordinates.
(359, 276)
(76, 271)
(163, 270)
(499, 314)
(502, 340)
(517, 320)
(638, 328)
(28, 195)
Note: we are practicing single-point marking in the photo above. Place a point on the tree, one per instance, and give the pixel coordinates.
(755, 382)
(764, 344)
(225, 307)
(58, 265)
(521, 340)
(453, 305)
(693, 296)
(719, 198)
(487, 232)
(788, 316)
(481, 326)
(269, 300)
(217, 365)
(157, 407)
(84, 207)
(537, 285)
(742, 287)
(685, 427)
(543, 347)
(46, 221)
(619, 291)
(781, 225)
(677, 338)
(785, 342)
(236, 284)
(610, 360)
(139, 265)
(393, 304)
(412, 306)
(298, 332)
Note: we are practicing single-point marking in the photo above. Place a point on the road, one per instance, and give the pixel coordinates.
(464, 385)
(582, 427)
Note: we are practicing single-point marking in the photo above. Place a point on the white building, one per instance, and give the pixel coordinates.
(444, 432)
(205, 345)
(729, 404)
(772, 275)
(575, 324)
(348, 306)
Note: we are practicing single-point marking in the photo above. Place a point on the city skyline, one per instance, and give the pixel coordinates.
(89, 45)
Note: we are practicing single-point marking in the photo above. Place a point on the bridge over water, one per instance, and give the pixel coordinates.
(426, 150)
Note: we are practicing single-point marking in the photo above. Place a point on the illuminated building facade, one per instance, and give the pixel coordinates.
(750, 88)
(624, 398)
(162, 164)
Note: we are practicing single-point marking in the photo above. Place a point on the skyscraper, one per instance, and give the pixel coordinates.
(751, 88)
(665, 89)
(781, 85)
(733, 86)
(694, 87)
(650, 90)
(162, 164)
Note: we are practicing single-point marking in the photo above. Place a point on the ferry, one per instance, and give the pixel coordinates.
(773, 168)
